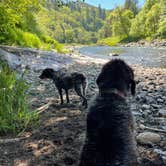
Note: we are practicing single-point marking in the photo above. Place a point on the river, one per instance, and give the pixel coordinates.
(144, 56)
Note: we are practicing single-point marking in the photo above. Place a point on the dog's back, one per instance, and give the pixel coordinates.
(71, 80)
(110, 140)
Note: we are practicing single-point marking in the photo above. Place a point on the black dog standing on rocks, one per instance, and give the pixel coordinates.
(66, 81)
(109, 136)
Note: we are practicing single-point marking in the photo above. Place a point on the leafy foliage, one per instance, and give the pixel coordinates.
(29, 23)
(150, 21)
(112, 41)
(14, 114)
(18, 24)
(129, 23)
(74, 23)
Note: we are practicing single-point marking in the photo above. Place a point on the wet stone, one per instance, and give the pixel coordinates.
(156, 106)
(160, 121)
(145, 107)
(148, 138)
(162, 112)
(160, 100)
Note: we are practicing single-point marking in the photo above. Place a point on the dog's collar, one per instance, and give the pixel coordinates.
(114, 91)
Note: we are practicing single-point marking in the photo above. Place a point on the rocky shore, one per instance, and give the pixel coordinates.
(142, 43)
(58, 139)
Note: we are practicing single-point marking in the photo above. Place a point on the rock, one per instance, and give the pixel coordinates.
(113, 54)
(135, 113)
(141, 126)
(163, 97)
(159, 151)
(163, 127)
(148, 138)
(160, 100)
(160, 121)
(162, 154)
(162, 113)
(156, 106)
(12, 60)
(164, 159)
(145, 107)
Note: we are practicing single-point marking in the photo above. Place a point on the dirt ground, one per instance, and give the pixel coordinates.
(57, 141)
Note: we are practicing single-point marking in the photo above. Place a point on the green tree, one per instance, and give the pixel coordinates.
(161, 32)
(131, 5)
(120, 22)
(152, 20)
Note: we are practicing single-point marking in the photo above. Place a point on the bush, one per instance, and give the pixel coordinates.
(111, 41)
(50, 43)
(14, 114)
(27, 39)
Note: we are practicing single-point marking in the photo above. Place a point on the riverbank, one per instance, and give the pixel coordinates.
(145, 43)
(59, 137)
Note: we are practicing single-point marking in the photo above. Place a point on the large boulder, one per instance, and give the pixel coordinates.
(11, 59)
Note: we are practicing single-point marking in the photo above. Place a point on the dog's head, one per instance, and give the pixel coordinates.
(47, 73)
(116, 74)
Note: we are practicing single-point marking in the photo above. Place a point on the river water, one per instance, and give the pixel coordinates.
(145, 56)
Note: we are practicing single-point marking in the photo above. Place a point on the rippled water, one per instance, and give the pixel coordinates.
(145, 56)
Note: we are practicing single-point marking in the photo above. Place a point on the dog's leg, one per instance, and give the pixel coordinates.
(61, 96)
(79, 93)
(67, 96)
(84, 84)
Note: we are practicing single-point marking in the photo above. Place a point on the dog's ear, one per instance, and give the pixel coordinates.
(132, 87)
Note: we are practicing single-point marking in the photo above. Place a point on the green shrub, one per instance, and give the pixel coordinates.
(14, 114)
(111, 41)
(50, 43)
(27, 39)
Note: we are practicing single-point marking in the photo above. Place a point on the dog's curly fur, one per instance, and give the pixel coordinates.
(65, 80)
(109, 136)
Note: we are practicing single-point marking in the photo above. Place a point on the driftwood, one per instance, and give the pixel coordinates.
(152, 129)
(12, 140)
(44, 107)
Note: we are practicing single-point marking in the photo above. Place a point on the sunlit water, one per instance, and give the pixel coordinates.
(145, 56)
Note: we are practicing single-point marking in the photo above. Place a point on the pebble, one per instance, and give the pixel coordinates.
(162, 154)
(160, 120)
(162, 112)
(159, 151)
(160, 100)
(145, 107)
(156, 106)
(148, 138)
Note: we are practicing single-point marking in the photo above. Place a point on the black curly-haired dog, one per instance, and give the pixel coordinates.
(65, 80)
(109, 135)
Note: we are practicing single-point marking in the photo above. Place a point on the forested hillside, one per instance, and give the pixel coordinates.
(71, 23)
(130, 23)
(44, 23)
(36, 23)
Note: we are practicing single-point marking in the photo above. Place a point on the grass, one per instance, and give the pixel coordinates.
(111, 41)
(15, 116)
(114, 41)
